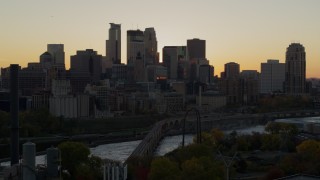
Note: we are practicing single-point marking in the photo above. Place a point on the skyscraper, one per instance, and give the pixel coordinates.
(206, 73)
(196, 48)
(170, 60)
(295, 76)
(57, 53)
(87, 61)
(231, 70)
(135, 55)
(113, 45)
(151, 46)
(272, 76)
(135, 46)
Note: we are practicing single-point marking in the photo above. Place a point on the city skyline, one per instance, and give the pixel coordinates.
(247, 33)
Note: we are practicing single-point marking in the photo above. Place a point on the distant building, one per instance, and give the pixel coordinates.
(231, 70)
(250, 86)
(175, 59)
(78, 80)
(232, 88)
(135, 55)
(272, 77)
(85, 63)
(154, 72)
(151, 47)
(63, 103)
(295, 71)
(206, 73)
(31, 79)
(194, 72)
(196, 48)
(119, 72)
(135, 46)
(40, 100)
(211, 100)
(58, 55)
(46, 60)
(174, 102)
(113, 45)
(170, 61)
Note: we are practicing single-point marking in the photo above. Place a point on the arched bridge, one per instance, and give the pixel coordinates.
(159, 130)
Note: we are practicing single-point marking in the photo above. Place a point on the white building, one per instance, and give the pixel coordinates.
(61, 103)
(69, 106)
(272, 77)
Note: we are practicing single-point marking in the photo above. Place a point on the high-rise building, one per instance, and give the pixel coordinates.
(46, 60)
(151, 46)
(57, 53)
(135, 46)
(250, 86)
(135, 55)
(87, 61)
(32, 79)
(295, 69)
(206, 73)
(231, 70)
(113, 45)
(272, 77)
(196, 48)
(175, 58)
(170, 60)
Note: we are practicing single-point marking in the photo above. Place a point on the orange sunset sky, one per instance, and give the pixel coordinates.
(244, 31)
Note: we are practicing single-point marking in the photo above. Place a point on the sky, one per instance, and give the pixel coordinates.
(244, 31)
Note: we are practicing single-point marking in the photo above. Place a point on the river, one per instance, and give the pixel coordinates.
(121, 151)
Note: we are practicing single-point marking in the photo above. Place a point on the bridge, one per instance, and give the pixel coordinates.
(149, 144)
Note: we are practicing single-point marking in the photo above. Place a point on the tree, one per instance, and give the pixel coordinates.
(91, 170)
(309, 149)
(270, 142)
(217, 135)
(72, 155)
(164, 169)
(201, 168)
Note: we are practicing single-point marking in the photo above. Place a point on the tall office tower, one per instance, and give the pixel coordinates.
(295, 76)
(135, 52)
(170, 60)
(57, 53)
(135, 46)
(113, 45)
(46, 60)
(272, 77)
(206, 73)
(151, 46)
(175, 58)
(183, 63)
(87, 61)
(196, 48)
(231, 70)
(249, 86)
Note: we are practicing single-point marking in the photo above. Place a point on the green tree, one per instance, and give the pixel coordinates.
(242, 144)
(72, 155)
(164, 169)
(270, 142)
(90, 170)
(201, 168)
